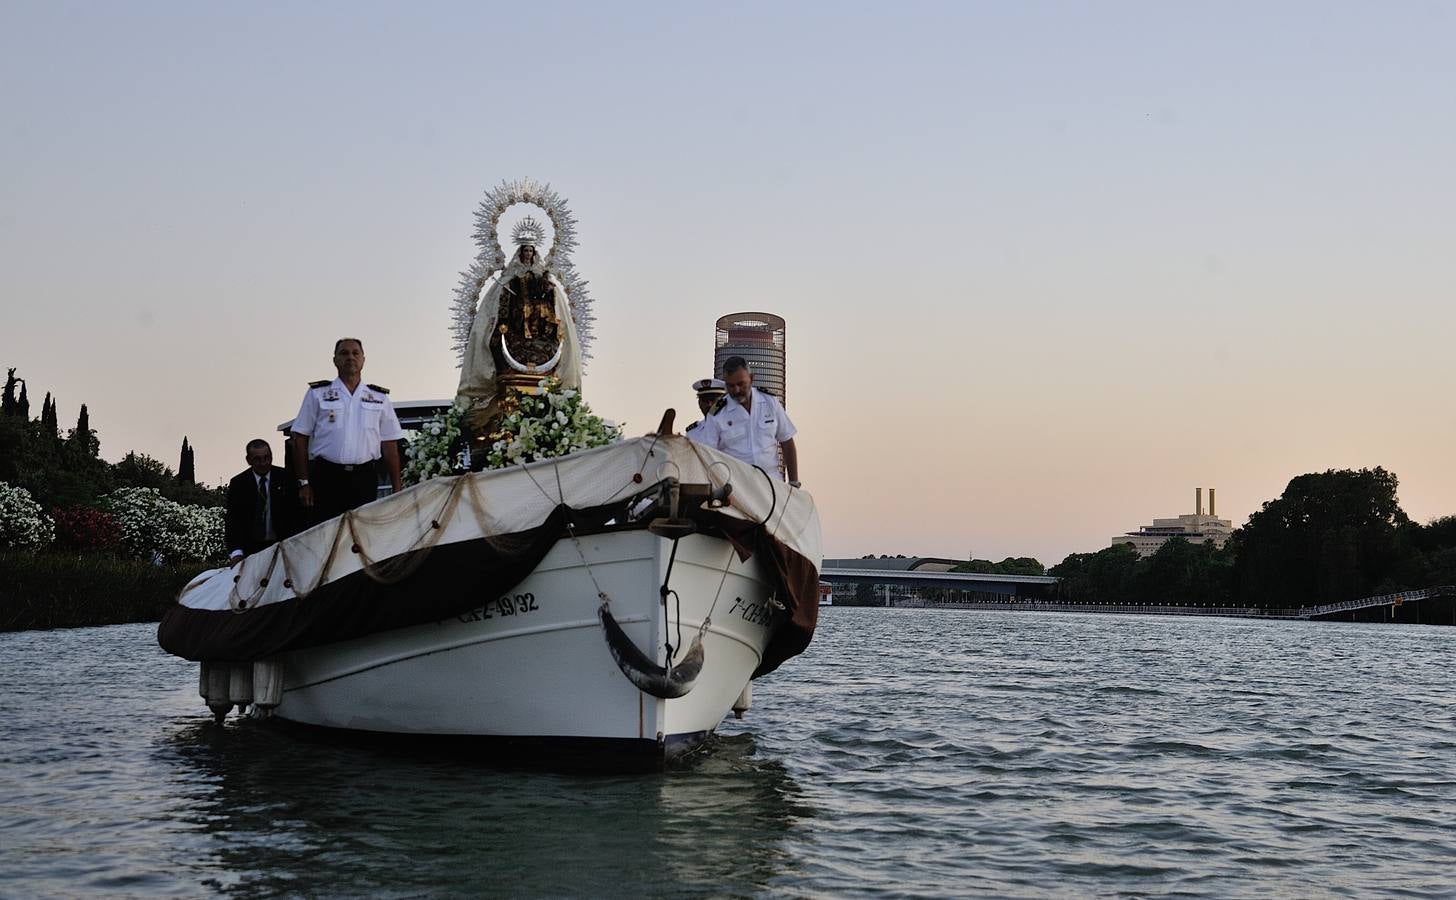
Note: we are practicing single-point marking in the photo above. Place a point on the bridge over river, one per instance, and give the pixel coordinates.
(911, 588)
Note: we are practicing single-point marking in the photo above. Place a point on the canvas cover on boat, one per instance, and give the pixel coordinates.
(404, 559)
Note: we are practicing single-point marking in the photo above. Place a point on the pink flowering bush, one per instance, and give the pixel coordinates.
(82, 528)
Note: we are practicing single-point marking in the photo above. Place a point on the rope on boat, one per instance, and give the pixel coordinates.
(391, 571)
(664, 682)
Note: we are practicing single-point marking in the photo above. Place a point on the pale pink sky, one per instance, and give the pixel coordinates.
(1046, 267)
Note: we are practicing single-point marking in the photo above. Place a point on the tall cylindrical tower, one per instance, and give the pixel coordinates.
(758, 337)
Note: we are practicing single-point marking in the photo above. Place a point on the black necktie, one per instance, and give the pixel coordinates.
(260, 520)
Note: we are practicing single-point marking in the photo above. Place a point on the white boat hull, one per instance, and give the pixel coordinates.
(534, 666)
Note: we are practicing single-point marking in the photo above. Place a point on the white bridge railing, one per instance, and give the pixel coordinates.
(1242, 612)
(1395, 599)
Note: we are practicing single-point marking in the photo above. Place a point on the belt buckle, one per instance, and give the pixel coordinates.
(349, 467)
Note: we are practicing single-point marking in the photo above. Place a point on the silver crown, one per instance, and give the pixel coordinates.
(528, 233)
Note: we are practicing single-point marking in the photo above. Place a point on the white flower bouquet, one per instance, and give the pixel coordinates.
(440, 447)
(553, 423)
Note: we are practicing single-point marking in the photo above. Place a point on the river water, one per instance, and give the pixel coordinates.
(908, 753)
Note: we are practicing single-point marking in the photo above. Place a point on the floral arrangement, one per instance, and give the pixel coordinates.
(440, 447)
(553, 423)
(153, 527)
(85, 529)
(23, 524)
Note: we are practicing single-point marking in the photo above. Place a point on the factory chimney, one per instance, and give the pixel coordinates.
(1210, 503)
(1198, 501)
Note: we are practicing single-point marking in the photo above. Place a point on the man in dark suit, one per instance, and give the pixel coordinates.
(262, 504)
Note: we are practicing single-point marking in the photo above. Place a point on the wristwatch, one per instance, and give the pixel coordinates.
(303, 482)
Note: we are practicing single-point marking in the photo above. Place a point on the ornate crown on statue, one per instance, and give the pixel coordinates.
(528, 233)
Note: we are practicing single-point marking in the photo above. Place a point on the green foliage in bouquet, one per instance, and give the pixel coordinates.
(553, 423)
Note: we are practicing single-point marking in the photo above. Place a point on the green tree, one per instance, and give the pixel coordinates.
(1102, 577)
(48, 418)
(1019, 565)
(7, 400)
(140, 470)
(82, 442)
(1181, 573)
(1331, 536)
(975, 567)
(186, 469)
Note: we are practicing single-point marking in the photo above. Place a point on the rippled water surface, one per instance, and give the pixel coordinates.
(909, 752)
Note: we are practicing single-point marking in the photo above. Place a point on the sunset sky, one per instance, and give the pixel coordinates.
(1046, 267)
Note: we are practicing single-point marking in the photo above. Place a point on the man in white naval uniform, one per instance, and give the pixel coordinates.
(710, 393)
(342, 428)
(750, 425)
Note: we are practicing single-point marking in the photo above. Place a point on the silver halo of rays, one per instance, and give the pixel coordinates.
(492, 259)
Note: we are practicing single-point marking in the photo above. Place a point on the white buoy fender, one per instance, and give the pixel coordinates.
(267, 683)
(215, 692)
(240, 684)
(744, 701)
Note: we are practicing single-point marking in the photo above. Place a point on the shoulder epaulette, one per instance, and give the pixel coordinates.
(695, 425)
(718, 407)
(375, 387)
(318, 384)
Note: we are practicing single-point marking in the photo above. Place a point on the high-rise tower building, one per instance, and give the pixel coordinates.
(758, 337)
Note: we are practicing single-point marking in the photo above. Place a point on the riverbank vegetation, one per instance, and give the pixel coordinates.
(87, 542)
(1331, 536)
(48, 589)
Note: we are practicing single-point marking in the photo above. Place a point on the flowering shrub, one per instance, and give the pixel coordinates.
(22, 522)
(554, 423)
(86, 529)
(153, 527)
(439, 447)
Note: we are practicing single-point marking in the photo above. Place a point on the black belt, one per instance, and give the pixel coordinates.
(347, 467)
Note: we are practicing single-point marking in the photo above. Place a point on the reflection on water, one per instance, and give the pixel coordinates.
(284, 813)
(915, 753)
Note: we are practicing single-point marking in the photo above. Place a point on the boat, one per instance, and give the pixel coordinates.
(509, 604)
(608, 607)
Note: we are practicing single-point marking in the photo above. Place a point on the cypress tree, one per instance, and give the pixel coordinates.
(83, 440)
(48, 416)
(185, 471)
(7, 402)
(22, 409)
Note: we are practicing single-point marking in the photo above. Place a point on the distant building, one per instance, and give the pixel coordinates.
(759, 338)
(1196, 529)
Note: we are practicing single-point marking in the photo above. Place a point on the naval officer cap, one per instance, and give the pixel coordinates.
(710, 387)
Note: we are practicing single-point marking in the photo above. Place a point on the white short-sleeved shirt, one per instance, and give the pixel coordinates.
(752, 436)
(346, 428)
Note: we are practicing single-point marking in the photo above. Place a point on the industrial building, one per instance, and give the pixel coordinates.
(1196, 529)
